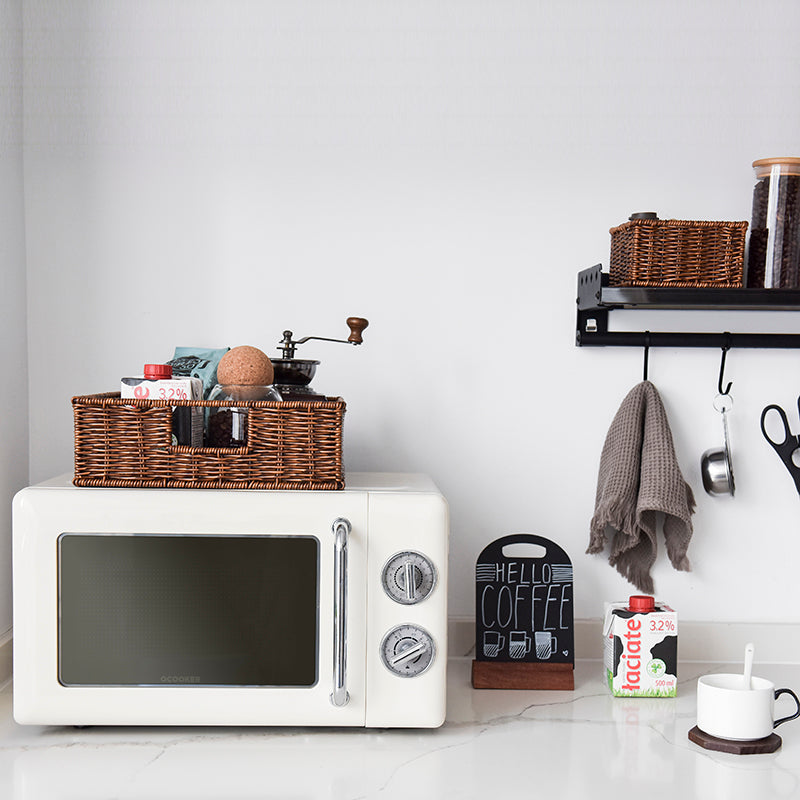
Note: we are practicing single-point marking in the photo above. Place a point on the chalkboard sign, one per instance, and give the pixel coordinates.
(523, 614)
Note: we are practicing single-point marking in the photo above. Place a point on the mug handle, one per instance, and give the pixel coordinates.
(778, 693)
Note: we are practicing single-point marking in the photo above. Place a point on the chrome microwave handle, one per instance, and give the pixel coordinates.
(341, 530)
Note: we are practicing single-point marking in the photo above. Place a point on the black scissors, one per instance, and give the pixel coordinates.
(786, 448)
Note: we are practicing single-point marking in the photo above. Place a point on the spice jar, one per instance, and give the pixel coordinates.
(773, 260)
(227, 425)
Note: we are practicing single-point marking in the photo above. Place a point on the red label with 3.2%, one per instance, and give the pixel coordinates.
(660, 625)
(173, 393)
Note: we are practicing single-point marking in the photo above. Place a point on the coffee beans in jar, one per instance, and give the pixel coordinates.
(773, 260)
(227, 424)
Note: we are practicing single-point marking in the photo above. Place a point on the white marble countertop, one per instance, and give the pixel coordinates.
(495, 744)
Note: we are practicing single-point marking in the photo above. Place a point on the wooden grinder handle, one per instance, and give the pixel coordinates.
(356, 325)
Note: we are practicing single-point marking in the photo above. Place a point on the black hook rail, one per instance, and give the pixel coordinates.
(596, 299)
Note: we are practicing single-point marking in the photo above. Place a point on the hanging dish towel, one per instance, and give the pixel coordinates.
(639, 477)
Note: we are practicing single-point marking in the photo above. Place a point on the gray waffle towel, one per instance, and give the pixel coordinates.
(638, 478)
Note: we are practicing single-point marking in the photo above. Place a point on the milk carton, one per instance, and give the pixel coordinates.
(641, 648)
(157, 383)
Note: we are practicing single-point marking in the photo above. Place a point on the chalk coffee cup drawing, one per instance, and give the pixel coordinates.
(519, 644)
(546, 644)
(728, 710)
(492, 643)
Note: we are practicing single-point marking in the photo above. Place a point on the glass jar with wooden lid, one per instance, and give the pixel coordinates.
(773, 260)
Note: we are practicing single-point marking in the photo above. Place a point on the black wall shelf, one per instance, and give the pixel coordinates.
(596, 299)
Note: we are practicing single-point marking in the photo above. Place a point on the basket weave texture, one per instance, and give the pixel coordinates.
(295, 444)
(673, 252)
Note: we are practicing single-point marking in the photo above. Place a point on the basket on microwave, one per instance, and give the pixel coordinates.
(292, 444)
(675, 253)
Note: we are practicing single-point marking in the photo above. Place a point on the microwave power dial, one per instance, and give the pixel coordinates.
(407, 650)
(409, 577)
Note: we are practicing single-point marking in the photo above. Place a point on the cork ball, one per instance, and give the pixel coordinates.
(245, 365)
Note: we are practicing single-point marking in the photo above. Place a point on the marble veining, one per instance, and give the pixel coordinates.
(494, 744)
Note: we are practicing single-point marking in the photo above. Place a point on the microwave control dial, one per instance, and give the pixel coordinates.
(407, 650)
(409, 577)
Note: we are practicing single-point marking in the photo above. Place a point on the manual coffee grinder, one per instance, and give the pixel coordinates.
(293, 375)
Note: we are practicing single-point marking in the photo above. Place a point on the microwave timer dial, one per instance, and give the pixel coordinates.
(409, 577)
(407, 650)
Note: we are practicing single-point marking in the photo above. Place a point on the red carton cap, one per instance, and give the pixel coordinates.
(641, 603)
(157, 372)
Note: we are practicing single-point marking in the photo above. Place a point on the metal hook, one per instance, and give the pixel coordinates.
(646, 354)
(725, 349)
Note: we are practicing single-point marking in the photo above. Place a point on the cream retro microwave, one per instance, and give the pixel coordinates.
(218, 607)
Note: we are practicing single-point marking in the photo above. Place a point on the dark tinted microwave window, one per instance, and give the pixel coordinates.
(188, 610)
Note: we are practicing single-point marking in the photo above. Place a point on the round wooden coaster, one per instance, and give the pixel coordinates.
(769, 744)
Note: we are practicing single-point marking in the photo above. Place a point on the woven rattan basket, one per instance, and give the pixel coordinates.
(295, 444)
(674, 252)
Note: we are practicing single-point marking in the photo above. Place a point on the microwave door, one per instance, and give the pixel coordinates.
(166, 610)
(207, 627)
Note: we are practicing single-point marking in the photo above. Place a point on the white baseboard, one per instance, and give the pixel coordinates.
(697, 641)
(5, 658)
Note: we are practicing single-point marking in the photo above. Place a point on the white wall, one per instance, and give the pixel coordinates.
(211, 173)
(14, 416)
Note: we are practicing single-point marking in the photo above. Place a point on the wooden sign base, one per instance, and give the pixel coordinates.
(769, 744)
(508, 675)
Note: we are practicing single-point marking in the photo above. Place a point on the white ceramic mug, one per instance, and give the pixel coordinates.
(726, 709)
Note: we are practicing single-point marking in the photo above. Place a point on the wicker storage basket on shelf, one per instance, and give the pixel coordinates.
(673, 252)
(294, 444)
